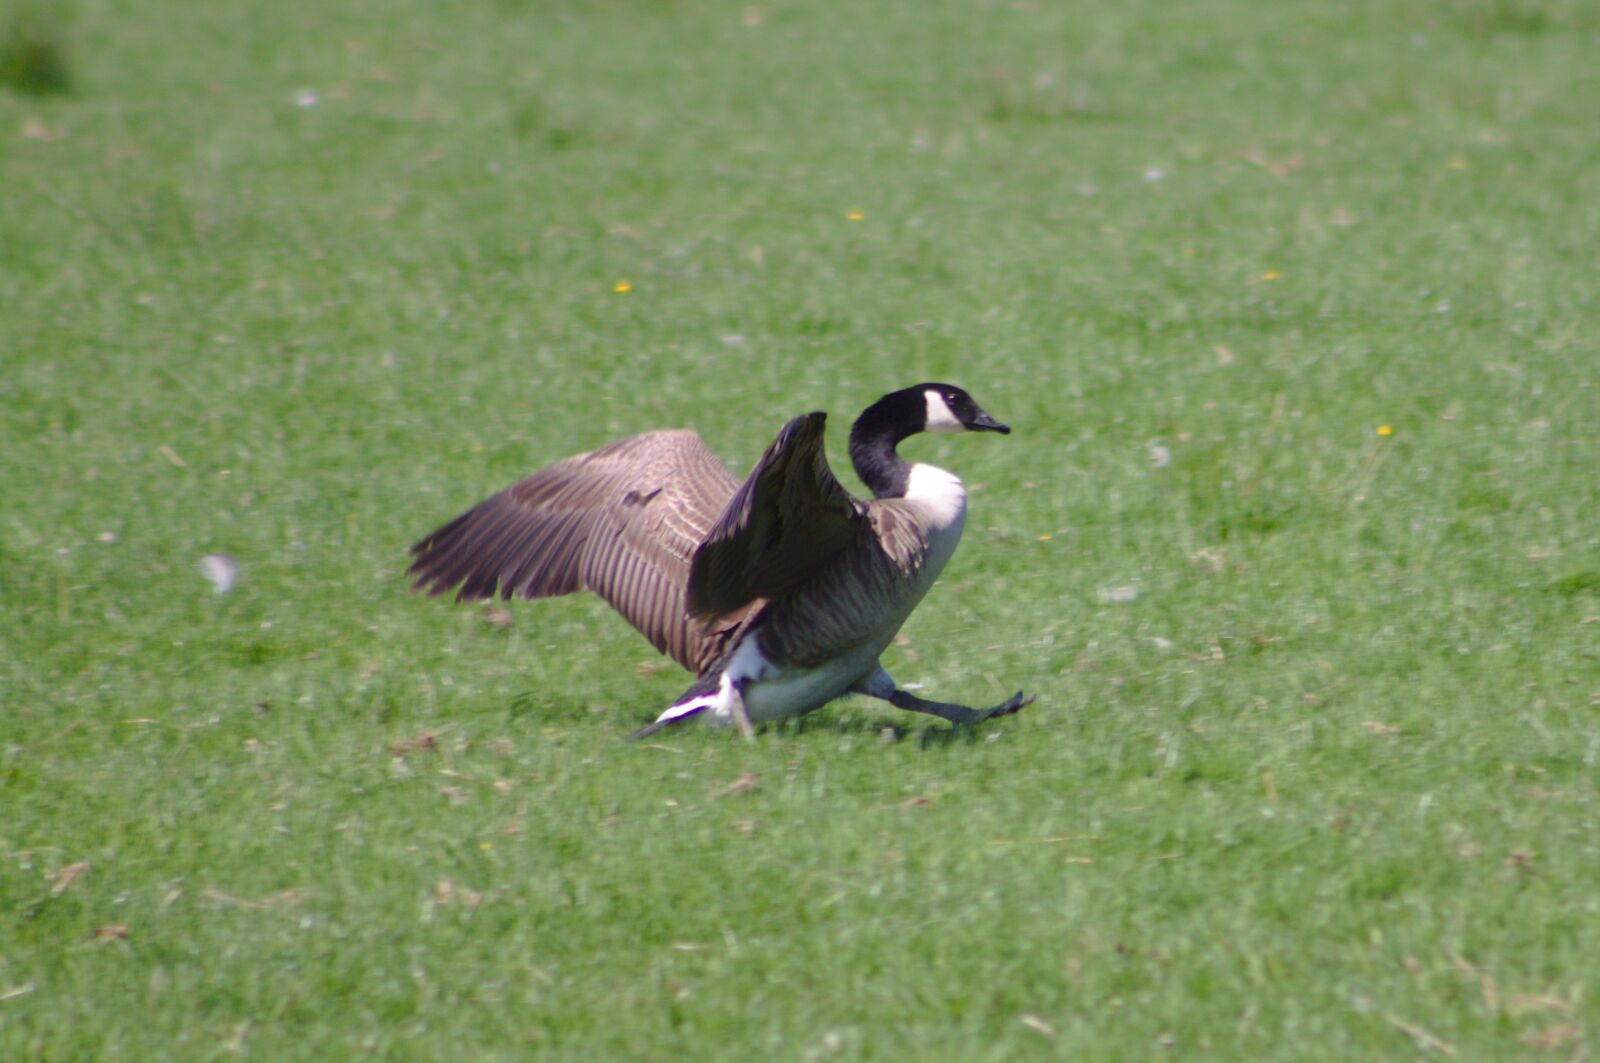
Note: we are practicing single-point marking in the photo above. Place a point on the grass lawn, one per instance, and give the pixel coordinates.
(1293, 308)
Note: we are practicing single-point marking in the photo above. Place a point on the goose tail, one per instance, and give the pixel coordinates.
(705, 694)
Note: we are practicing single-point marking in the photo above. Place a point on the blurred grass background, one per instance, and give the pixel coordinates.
(1312, 773)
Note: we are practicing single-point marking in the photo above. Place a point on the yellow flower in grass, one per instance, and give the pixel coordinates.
(621, 286)
(1270, 274)
(855, 214)
(1385, 430)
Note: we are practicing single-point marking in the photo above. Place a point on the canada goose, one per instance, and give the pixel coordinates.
(778, 593)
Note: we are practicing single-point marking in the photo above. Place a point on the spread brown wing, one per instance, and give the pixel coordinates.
(788, 517)
(622, 521)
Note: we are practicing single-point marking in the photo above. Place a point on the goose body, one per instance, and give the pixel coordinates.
(779, 592)
(813, 645)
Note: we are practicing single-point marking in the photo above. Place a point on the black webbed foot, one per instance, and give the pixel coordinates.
(1014, 704)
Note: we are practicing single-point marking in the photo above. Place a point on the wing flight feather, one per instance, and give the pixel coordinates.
(622, 521)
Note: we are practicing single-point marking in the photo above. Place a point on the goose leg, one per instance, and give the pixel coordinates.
(958, 714)
(736, 709)
(879, 684)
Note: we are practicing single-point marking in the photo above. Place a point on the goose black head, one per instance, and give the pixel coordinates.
(947, 408)
(930, 407)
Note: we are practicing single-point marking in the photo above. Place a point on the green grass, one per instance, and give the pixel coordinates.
(298, 281)
(33, 53)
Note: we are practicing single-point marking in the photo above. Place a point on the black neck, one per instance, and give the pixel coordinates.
(872, 441)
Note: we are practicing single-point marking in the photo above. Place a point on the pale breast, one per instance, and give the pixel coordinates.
(938, 494)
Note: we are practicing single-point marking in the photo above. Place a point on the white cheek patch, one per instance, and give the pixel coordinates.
(940, 418)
